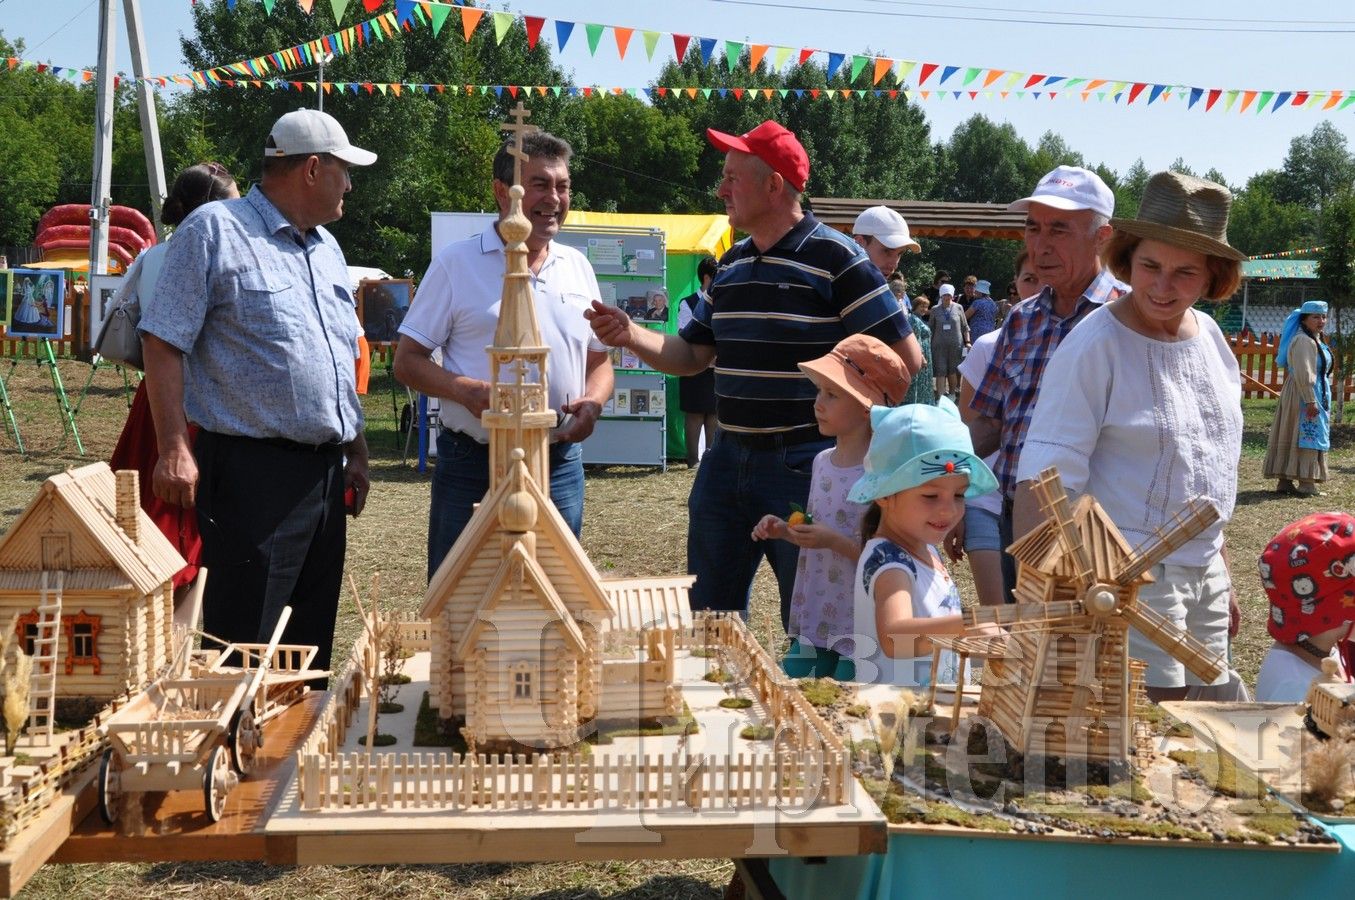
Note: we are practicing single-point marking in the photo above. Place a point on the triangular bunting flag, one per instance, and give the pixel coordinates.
(1052, 80)
(1214, 95)
(502, 22)
(723, 92)
(882, 66)
(707, 50)
(767, 93)
(1137, 89)
(814, 92)
(594, 35)
(705, 92)
(1346, 102)
(970, 74)
(834, 63)
(738, 93)
(1229, 98)
(651, 41)
(622, 39)
(1332, 100)
(755, 54)
(1195, 95)
(1034, 80)
(1247, 98)
(927, 70)
(404, 10)
(779, 58)
(993, 75)
(470, 17)
(1300, 98)
(371, 5)
(338, 6)
(534, 24)
(947, 72)
(396, 88)
(1155, 93)
(555, 89)
(382, 88)
(733, 50)
(805, 53)
(906, 67)
(680, 42)
(784, 92)
(267, 5)
(691, 93)
(858, 63)
(562, 32)
(513, 91)
(1281, 99)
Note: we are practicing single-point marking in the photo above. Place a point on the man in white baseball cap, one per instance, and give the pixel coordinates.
(883, 234)
(252, 336)
(306, 131)
(1067, 219)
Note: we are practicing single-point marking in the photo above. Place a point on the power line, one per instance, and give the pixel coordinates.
(1321, 28)
(1100, 15)
(66, 25)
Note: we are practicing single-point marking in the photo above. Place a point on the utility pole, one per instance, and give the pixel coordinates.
(320, 85)
(100, 192)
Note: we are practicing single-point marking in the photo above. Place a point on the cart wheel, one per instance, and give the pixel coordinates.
(110, 788)
(217, 782)
(246, 739)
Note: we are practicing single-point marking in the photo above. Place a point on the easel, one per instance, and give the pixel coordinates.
(46, 358)
(11, 424)
(97, 363)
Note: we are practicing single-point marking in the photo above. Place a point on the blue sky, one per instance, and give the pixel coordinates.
(1301, 45)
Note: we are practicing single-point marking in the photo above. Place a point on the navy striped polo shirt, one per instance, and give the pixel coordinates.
(768, 311)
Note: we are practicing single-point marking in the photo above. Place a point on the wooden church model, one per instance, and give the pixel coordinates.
(1061, 683)
(87, 579)
(517, 611)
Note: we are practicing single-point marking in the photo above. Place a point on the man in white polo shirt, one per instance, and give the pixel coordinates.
(456, 310)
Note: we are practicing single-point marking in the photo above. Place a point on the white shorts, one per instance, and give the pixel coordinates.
(1195, 598)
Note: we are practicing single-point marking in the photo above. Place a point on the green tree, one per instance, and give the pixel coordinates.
(1260, 222)
(984, 162)
(1319, 165)
(635, 157)
(1129, 190)
(1336, 272)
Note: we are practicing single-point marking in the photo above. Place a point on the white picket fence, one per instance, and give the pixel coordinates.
(456, 782)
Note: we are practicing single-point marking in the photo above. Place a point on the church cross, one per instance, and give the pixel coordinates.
(518, 129)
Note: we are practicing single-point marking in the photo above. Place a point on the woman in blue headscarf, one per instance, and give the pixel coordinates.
(1296, 455)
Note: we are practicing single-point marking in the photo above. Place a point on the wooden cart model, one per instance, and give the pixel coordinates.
(1330, 703)
(200, 724)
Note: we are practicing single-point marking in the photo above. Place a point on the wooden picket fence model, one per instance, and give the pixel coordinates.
(1261, 377)
(27, 791)
(810, 767)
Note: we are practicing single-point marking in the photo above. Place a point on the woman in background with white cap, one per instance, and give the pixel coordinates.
(950, 337)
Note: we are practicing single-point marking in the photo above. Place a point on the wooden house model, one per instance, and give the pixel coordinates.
(517, 611)
(1061, 682)
(88, 580)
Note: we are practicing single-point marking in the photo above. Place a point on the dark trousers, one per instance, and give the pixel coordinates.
(739, 483)
(1004, 531)
(273, 535)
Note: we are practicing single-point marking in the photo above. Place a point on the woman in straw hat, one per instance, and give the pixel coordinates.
(1140, 406)
(1297, 450)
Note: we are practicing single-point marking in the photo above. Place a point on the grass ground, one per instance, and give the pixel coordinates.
(635, 524)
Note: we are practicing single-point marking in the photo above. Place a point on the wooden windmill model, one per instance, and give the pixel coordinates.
(1063, 684)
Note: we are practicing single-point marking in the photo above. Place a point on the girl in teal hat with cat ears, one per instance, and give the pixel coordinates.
(1296, 454)
(919, 469)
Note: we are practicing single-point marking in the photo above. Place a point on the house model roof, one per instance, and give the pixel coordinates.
(83, 502)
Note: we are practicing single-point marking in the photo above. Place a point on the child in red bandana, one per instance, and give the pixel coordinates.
(1308, 571)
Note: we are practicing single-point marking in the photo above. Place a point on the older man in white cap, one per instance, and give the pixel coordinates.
(252, 335)
(1067, 219)
(883, 234)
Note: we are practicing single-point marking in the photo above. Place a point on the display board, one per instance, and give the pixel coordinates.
(631, 265)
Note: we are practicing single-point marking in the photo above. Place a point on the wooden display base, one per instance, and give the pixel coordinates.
(36, 843)
(407, 837)
(1266, 739)
(175, 826)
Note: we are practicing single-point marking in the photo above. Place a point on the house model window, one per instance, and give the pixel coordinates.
(82, 641)
(524, 679)
(26, 630)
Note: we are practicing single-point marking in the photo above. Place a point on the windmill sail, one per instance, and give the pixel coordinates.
(1198, 515)
(1016, 615)
(1054, 504)
(1179, 644)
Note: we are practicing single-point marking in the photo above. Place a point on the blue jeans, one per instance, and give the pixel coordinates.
(461, 479)
(735, 487)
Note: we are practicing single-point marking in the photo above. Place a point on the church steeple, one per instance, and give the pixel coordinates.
(519, 416)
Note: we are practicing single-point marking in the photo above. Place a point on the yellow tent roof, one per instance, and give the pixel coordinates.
(684, 234)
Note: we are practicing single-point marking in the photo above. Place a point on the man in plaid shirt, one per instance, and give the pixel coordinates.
(1067, 219)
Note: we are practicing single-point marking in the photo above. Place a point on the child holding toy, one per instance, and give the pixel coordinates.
(919, 469)
(860, 372)
(1308, 571)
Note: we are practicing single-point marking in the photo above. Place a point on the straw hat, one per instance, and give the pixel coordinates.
(1186, 212)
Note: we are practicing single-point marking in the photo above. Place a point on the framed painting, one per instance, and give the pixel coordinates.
(382, 306)
(37, 304)
(102, 290)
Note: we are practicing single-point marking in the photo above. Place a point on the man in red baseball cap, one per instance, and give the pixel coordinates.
(786, 294)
